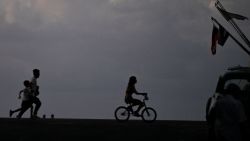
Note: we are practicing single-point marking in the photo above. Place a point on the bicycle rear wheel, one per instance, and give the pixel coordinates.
(149, 114)
(122, 113)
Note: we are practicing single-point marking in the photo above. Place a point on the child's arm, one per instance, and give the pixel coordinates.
(19, 95)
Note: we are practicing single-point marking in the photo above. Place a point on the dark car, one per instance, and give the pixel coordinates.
(240, 76)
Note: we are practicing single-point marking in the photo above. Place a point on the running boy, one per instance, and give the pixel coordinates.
(26, 100)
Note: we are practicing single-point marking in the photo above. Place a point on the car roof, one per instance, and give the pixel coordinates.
(237, 72)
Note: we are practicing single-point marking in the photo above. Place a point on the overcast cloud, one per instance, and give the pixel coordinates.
(87, 49)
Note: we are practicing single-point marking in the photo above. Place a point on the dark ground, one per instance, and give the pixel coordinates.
(83, 129)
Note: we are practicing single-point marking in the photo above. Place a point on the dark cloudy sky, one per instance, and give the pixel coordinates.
(87, 49)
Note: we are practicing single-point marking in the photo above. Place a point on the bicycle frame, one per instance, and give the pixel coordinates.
(132, 110)
(148, 114)
(144, 103)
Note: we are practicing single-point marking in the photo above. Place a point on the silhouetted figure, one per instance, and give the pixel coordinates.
(229, 114)
(130, 91)
(11, 112)
(52, 116)
(246, 104)
(26, 100)
(246, 100)
(35, 90)
(210, 115)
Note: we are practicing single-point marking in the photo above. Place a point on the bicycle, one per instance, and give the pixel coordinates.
(148, 114)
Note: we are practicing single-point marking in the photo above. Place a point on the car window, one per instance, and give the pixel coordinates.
(242, 83)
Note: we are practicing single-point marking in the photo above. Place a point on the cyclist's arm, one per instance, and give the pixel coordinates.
(144, 94)
(138, 93)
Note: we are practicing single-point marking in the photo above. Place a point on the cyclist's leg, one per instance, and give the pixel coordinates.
(130, 106)
(134, 102)
(130, 101)
(138, 102)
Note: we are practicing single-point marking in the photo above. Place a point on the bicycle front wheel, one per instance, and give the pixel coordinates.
(149, 114)
(122, 113)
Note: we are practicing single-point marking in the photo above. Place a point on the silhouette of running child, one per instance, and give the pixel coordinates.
(25, 97)
(26, 100)
(33, 99)
(130, 91)
(35, 92)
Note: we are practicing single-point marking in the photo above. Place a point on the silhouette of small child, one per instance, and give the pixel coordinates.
(26, 100)
(130, 91)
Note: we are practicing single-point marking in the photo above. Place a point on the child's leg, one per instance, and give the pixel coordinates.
(31, 111)
(38, 103)
(14, 111)
(25, 106)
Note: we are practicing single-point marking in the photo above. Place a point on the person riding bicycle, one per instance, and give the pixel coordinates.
(130, 91)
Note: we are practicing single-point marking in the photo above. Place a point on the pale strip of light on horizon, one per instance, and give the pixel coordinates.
(115, 2)
(9, 16)
(50, 11)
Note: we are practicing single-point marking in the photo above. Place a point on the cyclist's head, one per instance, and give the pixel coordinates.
(132, 80)
(26, 83)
